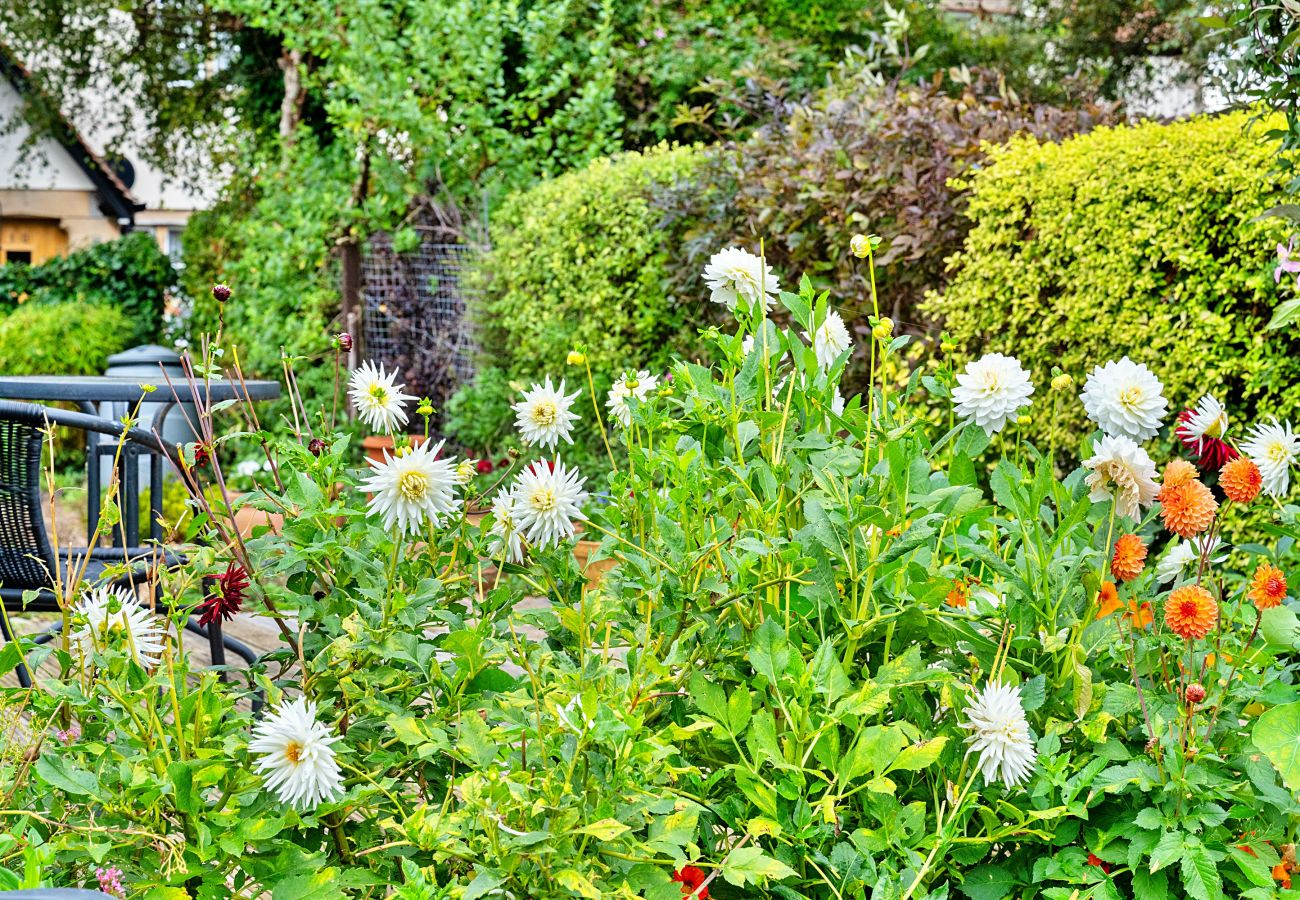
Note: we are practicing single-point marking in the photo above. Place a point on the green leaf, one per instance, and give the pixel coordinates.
(1277, 735)
(320, 885)
(1200, 875)
(65, 776)
(1149, 885)
(739, 705)
(749, 865)
(988, 882)
(770, 652)
(605, 829)
(1252, 867)
(918, 756)
(575, 881)
(484, 883)
(1168, 850)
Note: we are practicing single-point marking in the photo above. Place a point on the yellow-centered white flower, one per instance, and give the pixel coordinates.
(991, 390)
(114, 617)
(1209, 418)
(297, 760)
(830, 339)
(1275, 449)
(1123, 470)
(507, 538)
(1125, 398)
(734, 275)
(545, 416)
(377, 398)
(1000, 735)
(548, 502)
(637, 385)
(413, 488)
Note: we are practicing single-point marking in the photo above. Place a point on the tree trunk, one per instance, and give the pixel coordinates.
(291, 105)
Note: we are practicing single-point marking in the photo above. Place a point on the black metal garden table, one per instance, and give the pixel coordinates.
(88, 391)
(91, 390)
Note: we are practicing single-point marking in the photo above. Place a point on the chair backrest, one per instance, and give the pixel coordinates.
(26, 557)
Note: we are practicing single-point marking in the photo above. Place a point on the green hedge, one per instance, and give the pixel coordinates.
(576, 260)
(130, 273)
(1129, 240)
(61, 338)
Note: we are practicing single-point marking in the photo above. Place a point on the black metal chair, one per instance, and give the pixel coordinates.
(28, 566)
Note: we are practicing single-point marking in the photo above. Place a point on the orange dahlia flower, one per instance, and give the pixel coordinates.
(1179, 471)
(1139, 616)
(1187, 508)
(1241, 480)
(1267, 587)
(1190, 612)
(959, 596)
(1130, 557)
(1107, 599)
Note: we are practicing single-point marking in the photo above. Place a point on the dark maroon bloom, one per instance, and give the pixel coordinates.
(221, 292)
(316, 446)
(484, 466)
(692, 878)
(227, 596)
(344, 340)
(1094, 860)
(504, 464)
(1209, 452)
(201, 455)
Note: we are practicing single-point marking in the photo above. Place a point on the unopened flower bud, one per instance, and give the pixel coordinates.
(343, 341)
(316, 446)
(425, 408)
(860, 244)
(575, 358)
(1062, 382)
(947, 346)
(883, 329)
(465, 470)
(1022, 420)
(221, 292)
(1195, 693)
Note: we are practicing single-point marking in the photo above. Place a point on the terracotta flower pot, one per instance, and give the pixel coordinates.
(377, 444)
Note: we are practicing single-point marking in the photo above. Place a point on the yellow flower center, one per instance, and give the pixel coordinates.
(1218, 426)
(992, 382)
(413, 485)
(293, 752)
(378, 393)
(542, 499)
(1276, 453)
(1130, 397)
(544, 412)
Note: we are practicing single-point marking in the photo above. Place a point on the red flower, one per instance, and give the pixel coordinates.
(1094, 860)
(484, 466)
(1210, 452)
(227, 598)
(201, 455)
(692, 878)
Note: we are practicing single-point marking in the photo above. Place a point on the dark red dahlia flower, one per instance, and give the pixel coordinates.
(484, 466)
(1094, 860)
(691, 878)
(1209, 452)
(227, 597)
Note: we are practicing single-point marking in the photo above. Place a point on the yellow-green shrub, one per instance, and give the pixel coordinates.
(575, 260)
(1130, 240)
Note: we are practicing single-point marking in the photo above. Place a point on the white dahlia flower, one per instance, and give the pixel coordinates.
(1000, 735)
(991, 390)
(297, 760)
(412, 488)
(830, 340)
(734, 275)
(548, 500)
(1208, 418)
(1123, 470)
(377, 398)
(639, 386)
(1174, 564)
(1124, 398)
(114, 616)
(507, 541)
(1274, 448)
(545, 416)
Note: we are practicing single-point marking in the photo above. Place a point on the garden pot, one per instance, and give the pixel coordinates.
(376, 445)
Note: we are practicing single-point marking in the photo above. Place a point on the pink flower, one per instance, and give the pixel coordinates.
(1285, 263)
(110, 881)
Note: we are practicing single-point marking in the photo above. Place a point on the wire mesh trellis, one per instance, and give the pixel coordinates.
(414, 313)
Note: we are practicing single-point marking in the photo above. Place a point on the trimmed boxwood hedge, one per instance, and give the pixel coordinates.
(1139, 240)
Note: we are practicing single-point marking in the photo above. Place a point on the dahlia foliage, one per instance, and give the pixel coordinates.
(794, 642)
